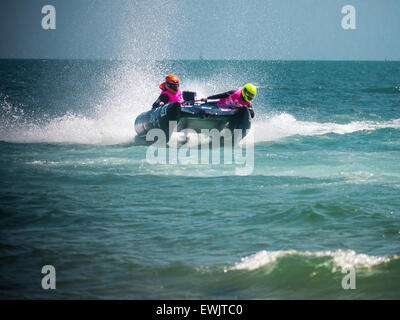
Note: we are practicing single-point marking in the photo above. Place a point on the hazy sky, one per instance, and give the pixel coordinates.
(215, 29)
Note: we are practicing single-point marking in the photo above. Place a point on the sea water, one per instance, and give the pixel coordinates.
(322, 201)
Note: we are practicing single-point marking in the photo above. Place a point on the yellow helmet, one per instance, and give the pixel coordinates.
(249, 91)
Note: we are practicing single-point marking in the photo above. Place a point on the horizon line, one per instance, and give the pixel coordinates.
(141, 59)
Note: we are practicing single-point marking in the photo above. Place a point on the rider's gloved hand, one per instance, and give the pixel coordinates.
(251, 112)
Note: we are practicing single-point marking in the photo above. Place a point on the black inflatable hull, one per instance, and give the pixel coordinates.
(195, 117)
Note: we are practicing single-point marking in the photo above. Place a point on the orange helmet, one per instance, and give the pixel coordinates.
(172, 83)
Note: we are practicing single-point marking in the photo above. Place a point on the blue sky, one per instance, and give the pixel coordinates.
(254, 29)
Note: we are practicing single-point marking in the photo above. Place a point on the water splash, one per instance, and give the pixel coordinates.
(109, 122)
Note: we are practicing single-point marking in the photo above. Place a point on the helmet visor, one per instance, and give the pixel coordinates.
(173, 86)
(250, 96)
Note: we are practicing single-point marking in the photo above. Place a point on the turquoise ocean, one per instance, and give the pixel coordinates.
(323, 199)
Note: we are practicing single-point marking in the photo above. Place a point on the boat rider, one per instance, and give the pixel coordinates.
(170, 91)
(240, 97)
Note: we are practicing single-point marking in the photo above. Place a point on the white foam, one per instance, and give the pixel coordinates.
(285, 125)
(341, 258)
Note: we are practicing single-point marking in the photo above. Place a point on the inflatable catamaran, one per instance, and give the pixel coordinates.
(194, 115)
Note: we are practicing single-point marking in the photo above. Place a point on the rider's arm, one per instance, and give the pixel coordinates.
(221, 95)
(162, 98)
